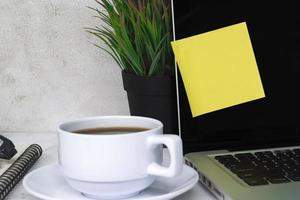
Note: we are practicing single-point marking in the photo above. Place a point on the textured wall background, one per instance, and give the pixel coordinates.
(49, 70)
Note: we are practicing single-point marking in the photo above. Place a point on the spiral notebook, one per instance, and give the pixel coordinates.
(17, 170)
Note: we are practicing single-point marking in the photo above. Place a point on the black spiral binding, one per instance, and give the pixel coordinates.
(18, 169)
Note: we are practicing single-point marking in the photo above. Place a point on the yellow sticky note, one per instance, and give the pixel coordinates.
(218, 69)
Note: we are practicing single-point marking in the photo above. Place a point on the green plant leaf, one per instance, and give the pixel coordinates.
(154, 68)
(137, 33)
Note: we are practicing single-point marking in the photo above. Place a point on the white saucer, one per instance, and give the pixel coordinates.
(47, 183)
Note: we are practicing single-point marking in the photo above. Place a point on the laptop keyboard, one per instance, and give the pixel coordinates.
(264, 167)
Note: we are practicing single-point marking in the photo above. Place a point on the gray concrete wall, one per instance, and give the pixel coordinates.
(49, 69)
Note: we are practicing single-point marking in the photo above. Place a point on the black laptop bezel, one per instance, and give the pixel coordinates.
(252, 134)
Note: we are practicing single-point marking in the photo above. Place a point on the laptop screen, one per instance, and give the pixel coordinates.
(273, 121)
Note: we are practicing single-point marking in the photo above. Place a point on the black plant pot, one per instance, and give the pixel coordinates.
(154, 97)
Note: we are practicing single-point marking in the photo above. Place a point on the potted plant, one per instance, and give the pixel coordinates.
(137, 35)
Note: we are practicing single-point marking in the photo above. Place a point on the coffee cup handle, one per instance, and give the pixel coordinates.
(174, 144)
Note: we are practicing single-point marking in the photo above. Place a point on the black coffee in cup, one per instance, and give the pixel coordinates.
(110, 130)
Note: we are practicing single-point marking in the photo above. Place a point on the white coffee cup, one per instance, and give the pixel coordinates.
(116, 166)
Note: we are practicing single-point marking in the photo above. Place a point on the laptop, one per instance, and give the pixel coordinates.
(251, 150)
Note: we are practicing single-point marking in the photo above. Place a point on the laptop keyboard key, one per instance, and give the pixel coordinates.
(277, 178)
(296, 151)
(243, 168)
(244, 175)
(254, 181)
(294, 177)
(226, 159)
(230, 165)
(245, 156)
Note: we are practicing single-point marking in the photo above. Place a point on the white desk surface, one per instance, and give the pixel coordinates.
(48, 142)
